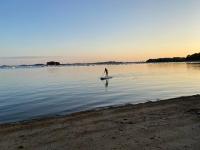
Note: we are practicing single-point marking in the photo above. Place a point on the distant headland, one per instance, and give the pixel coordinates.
(53, 63)
(56, 63)
(189, 58)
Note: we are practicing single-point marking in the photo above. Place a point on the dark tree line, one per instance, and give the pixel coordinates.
(193, 57)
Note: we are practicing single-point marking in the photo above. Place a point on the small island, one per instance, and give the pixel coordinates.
(53, 63)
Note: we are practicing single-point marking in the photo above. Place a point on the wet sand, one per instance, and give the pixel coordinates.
(172, 124)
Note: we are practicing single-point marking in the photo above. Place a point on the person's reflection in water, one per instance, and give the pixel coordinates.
(106, 84)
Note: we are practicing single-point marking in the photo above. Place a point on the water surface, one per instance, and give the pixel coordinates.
(27, 93)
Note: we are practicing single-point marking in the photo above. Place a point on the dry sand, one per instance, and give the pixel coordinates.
(164, 125)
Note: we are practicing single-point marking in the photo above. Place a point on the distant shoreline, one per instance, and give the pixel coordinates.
(87, 64)
(194, 58)
(190, 58)
(72, 64)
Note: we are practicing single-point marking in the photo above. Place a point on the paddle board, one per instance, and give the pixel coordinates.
(106, 78)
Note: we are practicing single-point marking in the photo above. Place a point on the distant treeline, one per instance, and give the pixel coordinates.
(189, 58)
(53, 63)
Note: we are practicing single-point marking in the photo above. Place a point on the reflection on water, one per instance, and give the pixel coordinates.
(33, 92)
(193, 66)
(106, 84)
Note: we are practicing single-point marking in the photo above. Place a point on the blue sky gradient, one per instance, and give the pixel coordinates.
(98, 30)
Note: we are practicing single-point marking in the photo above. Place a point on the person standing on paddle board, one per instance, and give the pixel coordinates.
(106, 71)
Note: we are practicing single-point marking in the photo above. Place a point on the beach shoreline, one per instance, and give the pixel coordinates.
(165, 124)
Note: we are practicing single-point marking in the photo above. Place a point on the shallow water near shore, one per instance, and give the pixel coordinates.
(27, 93)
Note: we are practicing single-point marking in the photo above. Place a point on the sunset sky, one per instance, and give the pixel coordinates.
(99, 30)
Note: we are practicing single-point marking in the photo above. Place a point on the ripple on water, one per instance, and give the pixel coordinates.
(32, 92)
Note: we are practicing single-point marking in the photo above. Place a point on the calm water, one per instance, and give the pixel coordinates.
(27, 93)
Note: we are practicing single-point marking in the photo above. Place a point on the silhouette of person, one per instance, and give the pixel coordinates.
(106, 71)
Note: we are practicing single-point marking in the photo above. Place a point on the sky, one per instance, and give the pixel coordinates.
(99, 30)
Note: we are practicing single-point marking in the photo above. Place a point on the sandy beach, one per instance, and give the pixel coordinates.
(172, 124)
